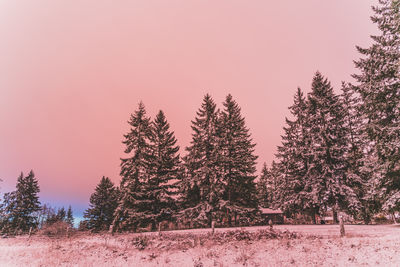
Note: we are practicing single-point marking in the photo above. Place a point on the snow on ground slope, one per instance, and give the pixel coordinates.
(318, 245)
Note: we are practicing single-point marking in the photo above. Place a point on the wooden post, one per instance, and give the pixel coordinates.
(342, 232)
(270, 224)
(213, 227)
(30, 232)
(111, 231)
(159, 229)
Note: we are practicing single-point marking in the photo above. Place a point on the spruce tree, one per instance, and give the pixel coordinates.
(327, 183)
(202, 187)
(70, 217)
(61, 214)
(236, 150)
(103, 203)
(272, 183)
(7, 207)
(263, 192)
(132, 210)
(293, 162)
(21, 205)
(165, 171)
(359, 156)
(378, 85)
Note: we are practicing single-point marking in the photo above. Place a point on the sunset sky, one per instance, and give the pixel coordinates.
(71, 72)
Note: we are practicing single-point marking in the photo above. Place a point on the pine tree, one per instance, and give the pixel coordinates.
(70, 218)
(262, 189)
(236, 150)
(294, 160)
(202, 187)
(371, 175)
(103, 202)
(359, 155)
(7, 207)
(20, 205)
(61, 214)
(165, 171)
(378, 86)
(327, 183)
(132, 210)
(272, 183)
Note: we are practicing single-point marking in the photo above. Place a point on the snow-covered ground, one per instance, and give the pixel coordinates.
(320, 245)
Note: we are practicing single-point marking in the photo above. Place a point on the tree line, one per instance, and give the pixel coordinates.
(21, 211)
(215, 180)
(342, 151)
(339, 152)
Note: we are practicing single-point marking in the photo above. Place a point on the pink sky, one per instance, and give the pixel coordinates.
(71, 72)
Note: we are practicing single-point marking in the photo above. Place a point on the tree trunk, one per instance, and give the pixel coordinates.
(235, 219)
(159, 229)
(313, 214)
(366, 218)
(335, 215)
(342, 232)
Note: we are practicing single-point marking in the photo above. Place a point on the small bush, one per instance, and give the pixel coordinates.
(185, 241)
(381, 219)
(57, 229)
(141, 242)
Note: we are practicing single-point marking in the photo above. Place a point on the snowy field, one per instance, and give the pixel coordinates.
(318, 245)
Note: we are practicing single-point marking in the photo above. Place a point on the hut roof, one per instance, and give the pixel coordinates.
(270, 211)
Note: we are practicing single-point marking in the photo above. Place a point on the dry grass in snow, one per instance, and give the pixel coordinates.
(285, 246)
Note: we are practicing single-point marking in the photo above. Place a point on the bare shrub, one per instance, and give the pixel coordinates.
(141, 242)
(240, 235)
(185, 241)
(381, 219)
(58, 229)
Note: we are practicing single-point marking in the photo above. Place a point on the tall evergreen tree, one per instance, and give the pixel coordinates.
(359, 155)
(103, 203)
(20, 205)
(7, 207)
(202, 187)
(327, 182)
(272, 183)
(238, 161)
(294, 159)
(165, 171)
(135, 170)
(262, 189)
(378, 85)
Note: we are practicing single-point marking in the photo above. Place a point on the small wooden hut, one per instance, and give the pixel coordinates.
(276, 216)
